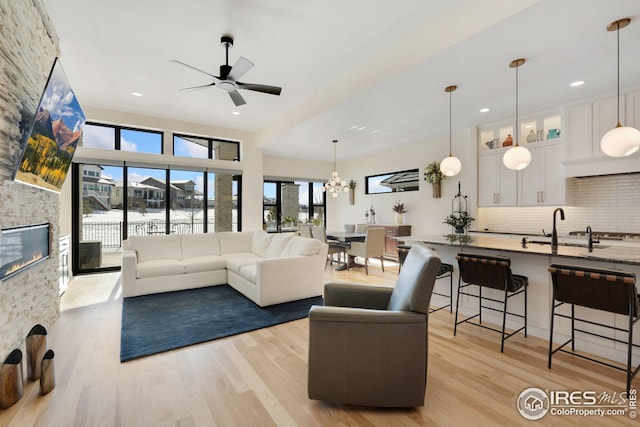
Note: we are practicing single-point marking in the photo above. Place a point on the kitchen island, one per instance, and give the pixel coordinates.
(533, 260)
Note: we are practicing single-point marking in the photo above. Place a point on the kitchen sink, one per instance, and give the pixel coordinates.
(575, 245)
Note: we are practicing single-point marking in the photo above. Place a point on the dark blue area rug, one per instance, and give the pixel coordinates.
(155, 323)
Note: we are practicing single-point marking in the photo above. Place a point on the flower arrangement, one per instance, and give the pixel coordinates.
(398, 207)
(352, 185)
(433, 174)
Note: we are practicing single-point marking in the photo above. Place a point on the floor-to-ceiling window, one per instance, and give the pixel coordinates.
(286, 204)
(114, 202)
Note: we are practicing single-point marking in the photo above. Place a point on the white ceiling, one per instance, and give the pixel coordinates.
(341, 63)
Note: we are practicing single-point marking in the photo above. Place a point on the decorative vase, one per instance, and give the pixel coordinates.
(507, 141)
(11, 380)
(399, 218)
(459, 230)
(532, 137)
(36, 345)
(437, 190)
(352, 197)
(47, 373)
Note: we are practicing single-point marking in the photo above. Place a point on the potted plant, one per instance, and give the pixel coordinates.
(399, 209)
(460, 221)
(352, 192)
(433, 175)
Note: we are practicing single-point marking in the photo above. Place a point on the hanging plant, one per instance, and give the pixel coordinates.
(433, 174)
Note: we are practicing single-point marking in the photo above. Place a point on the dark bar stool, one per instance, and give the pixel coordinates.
(445, 270)
(608, 290)
(491, 272)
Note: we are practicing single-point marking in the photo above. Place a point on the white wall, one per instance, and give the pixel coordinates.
(424, 213)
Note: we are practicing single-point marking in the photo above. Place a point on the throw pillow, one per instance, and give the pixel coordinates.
(301, 246)
(260, 242)
(278, 242)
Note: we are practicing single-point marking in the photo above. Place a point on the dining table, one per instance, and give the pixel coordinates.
(346, 237)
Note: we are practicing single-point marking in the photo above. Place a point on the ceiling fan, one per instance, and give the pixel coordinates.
(228, 79)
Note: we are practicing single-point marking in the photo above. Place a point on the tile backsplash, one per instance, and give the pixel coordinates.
(606, 203)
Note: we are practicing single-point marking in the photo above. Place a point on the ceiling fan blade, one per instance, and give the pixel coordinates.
(194, 68)
(272, 90)
(237, 98)
(240, 68)
(197, 87)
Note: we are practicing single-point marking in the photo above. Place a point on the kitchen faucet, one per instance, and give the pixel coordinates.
(554, 233)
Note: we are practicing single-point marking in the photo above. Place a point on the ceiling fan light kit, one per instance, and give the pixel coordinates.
(517, 157)
(229, 75)
(451, 165)
(620, 141)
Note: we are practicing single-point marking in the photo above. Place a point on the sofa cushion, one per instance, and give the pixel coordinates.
(297, 246)
(234, 241)
(249, 272)
(196, 245)
(159, 267)
(235, 264)
(151, 248)
(204, 263)
(278, 242)
(260, 242)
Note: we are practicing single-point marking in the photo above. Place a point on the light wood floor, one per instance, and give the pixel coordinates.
(259, 378)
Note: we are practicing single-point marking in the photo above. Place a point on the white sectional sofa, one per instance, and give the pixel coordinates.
(266, 268)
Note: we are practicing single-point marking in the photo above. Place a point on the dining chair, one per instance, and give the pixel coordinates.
(350, 228)
(372, 247)
(305, 230)
(335, 247)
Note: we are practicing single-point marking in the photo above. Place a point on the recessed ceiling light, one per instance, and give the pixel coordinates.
(484, 110)
(354, 127)
(236, 113)
(375, 131)
(136, 94)
(362, 127)
(577, 83)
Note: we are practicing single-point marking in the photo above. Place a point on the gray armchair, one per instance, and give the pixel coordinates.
(368, 344)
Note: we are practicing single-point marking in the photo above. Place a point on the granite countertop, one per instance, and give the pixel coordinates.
(601, 251)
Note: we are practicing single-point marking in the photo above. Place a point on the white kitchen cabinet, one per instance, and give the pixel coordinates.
(587, 123)
(542, 183)
(497, 185)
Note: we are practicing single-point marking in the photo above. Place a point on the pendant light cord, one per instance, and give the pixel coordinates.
(516, 130)
(335, 142)
(618, 76)
(450, 152)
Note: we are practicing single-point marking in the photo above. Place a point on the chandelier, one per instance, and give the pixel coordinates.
(335, 183)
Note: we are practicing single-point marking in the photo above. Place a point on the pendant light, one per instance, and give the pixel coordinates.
(517, 157)
(335, 183)
(451, 165)
(622, 140)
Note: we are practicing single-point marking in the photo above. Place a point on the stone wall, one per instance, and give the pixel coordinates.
(28, 47)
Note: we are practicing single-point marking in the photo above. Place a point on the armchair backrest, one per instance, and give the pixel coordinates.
(350, 228)
(374, 242)
(414, 287)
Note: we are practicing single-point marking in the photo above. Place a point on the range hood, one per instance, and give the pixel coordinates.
(601, 165)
